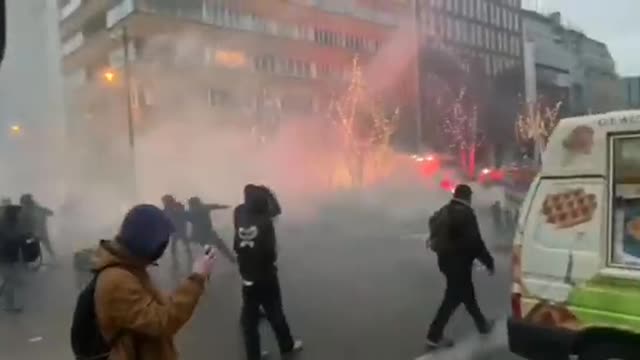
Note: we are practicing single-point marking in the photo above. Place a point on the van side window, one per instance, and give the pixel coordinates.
(624, 248)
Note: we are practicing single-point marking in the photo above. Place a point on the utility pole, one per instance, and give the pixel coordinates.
(418, 78)
(130, 115)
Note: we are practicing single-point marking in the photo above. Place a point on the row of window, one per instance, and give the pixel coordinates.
(217, 13)
(286, 104)
(485, 11)
(473, 34)
(283, 66)
(494, 64)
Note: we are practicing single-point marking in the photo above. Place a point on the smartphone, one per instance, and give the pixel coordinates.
(209, 251)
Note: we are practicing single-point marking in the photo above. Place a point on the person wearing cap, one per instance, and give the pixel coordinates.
(131, 311)
(464, 245)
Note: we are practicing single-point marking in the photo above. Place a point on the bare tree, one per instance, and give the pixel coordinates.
(534, 127)
(363, 128)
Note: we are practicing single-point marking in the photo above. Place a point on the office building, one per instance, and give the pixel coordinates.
(247, 62)
(631, 92)
(571, 67)
(472, 45)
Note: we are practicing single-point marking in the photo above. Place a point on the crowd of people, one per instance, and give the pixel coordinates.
(23, 228)
(121, 314)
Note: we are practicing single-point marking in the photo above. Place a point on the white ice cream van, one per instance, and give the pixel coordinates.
(576, 257)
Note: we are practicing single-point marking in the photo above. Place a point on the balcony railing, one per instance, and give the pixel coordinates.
(72, 44)
(119, 12)
(68, 9)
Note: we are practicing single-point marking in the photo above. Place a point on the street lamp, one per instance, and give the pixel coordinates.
(109, 76)
(122, 35)
(16, 129)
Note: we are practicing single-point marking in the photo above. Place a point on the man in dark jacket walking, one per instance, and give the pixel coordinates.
(460, 247)
(255, 244)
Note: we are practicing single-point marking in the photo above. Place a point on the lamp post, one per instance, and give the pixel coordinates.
(110, 77)
(418, 110)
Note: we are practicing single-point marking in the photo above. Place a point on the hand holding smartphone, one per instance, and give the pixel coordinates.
(204, 265)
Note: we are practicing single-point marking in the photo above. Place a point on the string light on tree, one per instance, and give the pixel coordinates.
(460, 127)
(363, 129)
(537, 125)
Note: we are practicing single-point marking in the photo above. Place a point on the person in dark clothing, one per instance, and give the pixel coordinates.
(176, 212)
(202, 232)
(12, 238)
(463, 246)
(496, 216)
(255, 244)
(37, 217)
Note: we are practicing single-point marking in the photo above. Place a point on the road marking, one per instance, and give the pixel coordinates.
(35, 339)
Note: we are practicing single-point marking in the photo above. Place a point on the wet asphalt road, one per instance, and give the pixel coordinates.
(365, 289)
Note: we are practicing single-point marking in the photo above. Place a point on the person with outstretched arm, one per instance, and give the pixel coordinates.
(459, 244)
(176, 212)
(202, 231)
(255, 244)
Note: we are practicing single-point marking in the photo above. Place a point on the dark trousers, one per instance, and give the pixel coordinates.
(222, 247)
(458, 273)
(211, 237)
(264, 294)
(45, 241)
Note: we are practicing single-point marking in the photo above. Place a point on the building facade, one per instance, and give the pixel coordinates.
(571, 67)
(479, 43)
(553, 61)
(489, 30)
(631, 92)
(244, 63)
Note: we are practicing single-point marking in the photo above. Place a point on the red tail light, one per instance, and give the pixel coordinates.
(516, 305)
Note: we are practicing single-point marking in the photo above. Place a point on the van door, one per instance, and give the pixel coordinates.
(562, 237)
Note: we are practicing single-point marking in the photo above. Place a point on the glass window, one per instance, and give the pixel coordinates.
(625, 249)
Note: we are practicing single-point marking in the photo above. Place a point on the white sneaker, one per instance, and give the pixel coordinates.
(444, 343)
(297, 347)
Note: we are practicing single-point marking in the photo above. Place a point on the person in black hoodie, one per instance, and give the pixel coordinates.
(255, 244)
(462, 245)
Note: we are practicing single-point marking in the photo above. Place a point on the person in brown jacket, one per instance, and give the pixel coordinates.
(133, 315)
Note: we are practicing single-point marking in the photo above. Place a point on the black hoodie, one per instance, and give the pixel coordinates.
(255, 237)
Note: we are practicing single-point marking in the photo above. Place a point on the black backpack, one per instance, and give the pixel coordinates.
(87, 341)
(439, 225)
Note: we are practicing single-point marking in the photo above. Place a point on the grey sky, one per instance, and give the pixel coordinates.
(615, 22)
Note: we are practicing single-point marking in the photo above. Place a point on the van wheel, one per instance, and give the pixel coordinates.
(608, 352)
